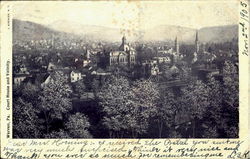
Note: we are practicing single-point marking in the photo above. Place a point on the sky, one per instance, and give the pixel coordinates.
(130, 14)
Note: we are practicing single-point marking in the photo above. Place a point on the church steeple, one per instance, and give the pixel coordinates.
(124, 40)
(176, 45)
(124, 46)
(196, 42)
(87, 55)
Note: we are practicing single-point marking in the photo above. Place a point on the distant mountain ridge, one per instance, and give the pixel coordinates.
(25, 30)
(218, 33)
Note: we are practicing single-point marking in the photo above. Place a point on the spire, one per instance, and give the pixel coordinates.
(196, 42)
(87, 54)
(196, 37)
(176, 45)
(124, 39)
(124, 46)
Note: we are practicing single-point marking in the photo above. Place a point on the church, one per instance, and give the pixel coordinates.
(200, 54)
(125, 55)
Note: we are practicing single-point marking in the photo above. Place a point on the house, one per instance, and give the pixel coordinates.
(154, 70)
(100, 72)
(163, 59)
(86, 62)
(150, 68)
(51, 66)
(23, 70)
(174, 69)
(47, 79)
(39, 79)
(165, 51)
(86, 59)
(19, 78)
(75, 75)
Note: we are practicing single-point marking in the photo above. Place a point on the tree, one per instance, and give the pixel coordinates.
(115, 100)
(230, 98)
(166, 72)
(213, 116)
(79, 87)
(127, 108)
(78, 126)
(58, 134)
(25, 120)
(231, 84)
(211, 132)
(166, 110)
(95, 86)
(145, 97)
(30, 93)
(54, 99)
(196, 99)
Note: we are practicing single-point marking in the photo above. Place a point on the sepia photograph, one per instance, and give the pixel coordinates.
(121, 69)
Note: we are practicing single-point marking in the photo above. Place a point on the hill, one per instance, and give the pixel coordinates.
(25, 30)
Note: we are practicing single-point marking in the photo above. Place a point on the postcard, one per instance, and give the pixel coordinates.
(125, 79)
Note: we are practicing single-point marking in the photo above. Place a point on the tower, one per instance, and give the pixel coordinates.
(196, 42)
(124, 46)
(176, 45)
(124, 40)
(87, 54)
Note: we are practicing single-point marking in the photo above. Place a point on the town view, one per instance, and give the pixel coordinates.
(72, 86)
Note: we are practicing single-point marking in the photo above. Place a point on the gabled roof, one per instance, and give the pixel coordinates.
(75, 71)
(117, 53)
(20, 75)
(99, 70)
(37, 78)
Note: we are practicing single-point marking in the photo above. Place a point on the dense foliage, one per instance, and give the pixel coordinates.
(125, 108)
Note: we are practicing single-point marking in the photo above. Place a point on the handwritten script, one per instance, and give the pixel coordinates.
(244, 24)
(116, 148)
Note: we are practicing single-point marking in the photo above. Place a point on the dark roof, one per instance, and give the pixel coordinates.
(37, 78)
(76, 71)
(21, 75)
(99, 70)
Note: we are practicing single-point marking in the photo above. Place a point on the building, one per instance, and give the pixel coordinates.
(86, 59)
(176, 45)
(162, 59)
(176, 54)
(196, 53)
(200, 54)
(51, 66)
(150, 68)
(75, 75)
(19, 78)
(23, 70)
(100, 72)
(47, 79)
(126, 55)
(196, 42)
